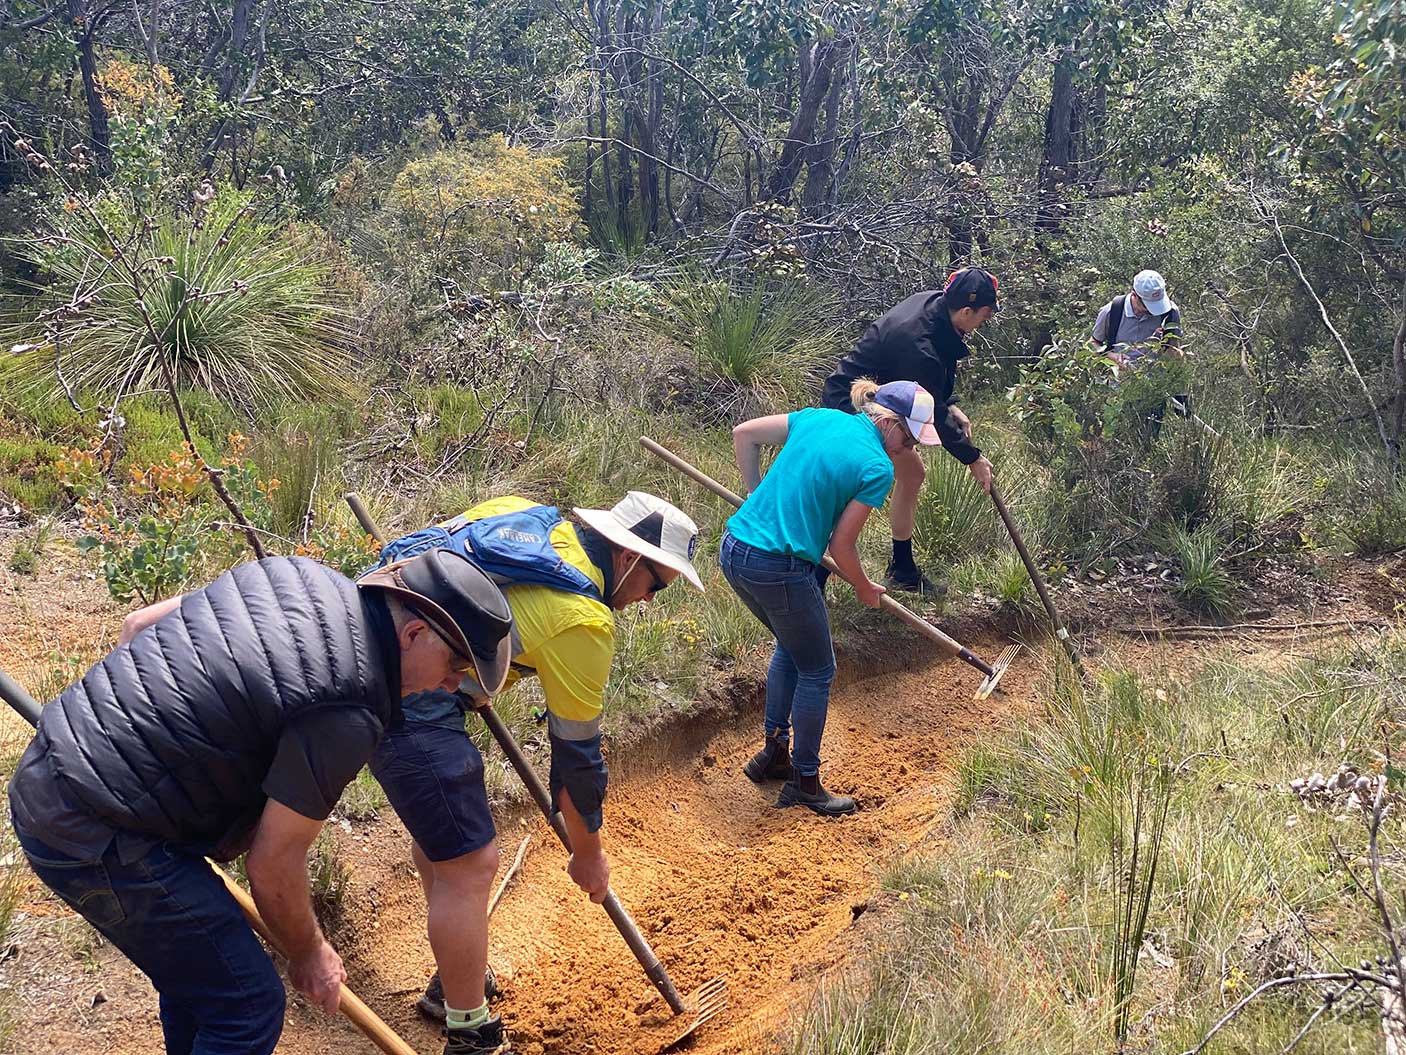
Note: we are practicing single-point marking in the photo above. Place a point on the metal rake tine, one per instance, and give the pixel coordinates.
(998, 670)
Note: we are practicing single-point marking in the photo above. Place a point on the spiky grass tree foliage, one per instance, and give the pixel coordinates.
(233, 307)
(756, 348)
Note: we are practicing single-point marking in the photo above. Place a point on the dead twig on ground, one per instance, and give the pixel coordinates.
(512, 871)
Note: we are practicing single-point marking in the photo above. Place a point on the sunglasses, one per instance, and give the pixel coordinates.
(458, 664)
(655, 582)
(909, 440)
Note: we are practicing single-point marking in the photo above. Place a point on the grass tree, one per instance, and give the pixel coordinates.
(130, 299)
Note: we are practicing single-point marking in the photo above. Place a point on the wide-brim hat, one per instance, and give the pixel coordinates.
(460, 602)
(655, 529)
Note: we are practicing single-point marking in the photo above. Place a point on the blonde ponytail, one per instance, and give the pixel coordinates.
(862, 394)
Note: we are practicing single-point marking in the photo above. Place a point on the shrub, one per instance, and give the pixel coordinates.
(1377, 523)
(483, 211)
(954, 516)
(25, 558)
(1205, 584)
(756, 349)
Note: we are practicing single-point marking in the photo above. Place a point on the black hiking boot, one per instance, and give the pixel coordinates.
(487, 1039)
(772, 762)
(809, 792)
(431, 1002)
(912, 580)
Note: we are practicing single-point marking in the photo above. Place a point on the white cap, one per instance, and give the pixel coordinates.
(1152, 290)
(651, 527)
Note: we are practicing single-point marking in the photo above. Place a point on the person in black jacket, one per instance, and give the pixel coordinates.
(921, 339)
(227, 720)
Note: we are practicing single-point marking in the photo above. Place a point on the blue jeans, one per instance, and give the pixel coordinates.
(172, 917)
(783, 593)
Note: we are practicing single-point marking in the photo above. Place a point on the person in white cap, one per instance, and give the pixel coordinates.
(563, 581)
(1137, 326)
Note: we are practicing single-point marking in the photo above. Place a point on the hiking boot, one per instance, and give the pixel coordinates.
(772, 762)
(431, 1002)
(809, 792)
(912, 580)
(487, 1039)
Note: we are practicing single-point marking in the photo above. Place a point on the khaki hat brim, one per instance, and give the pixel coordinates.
(606, 523)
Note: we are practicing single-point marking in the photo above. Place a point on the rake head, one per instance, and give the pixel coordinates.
(998, 671)
(707, 1003)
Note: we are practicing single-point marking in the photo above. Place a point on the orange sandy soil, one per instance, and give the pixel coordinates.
(720, 882)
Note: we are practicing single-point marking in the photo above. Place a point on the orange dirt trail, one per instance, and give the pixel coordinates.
(719, 880)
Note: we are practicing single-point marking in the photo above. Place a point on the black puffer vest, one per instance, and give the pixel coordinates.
(171, 736)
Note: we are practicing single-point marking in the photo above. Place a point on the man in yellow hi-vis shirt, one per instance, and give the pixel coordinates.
(563, 582)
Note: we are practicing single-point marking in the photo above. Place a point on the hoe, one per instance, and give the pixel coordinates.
(993, 672)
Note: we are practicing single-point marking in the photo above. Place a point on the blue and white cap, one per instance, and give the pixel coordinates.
(651, 527)
(1151, 289)
(915, 405)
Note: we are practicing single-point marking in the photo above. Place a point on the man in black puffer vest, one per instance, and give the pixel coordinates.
(228, 720)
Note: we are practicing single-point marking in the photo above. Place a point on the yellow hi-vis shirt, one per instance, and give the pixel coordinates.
(566, 638)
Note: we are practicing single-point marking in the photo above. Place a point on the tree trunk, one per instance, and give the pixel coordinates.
(98, 128)
(820, 158)
(1060, 157)
(1398, 359)
(817, 67)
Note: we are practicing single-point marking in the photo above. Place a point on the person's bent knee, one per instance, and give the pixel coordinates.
(909, 468)
(471, 871)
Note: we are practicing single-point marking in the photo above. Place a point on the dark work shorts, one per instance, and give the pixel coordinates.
(433, 776)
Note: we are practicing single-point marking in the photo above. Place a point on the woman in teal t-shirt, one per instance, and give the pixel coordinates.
(833, 470)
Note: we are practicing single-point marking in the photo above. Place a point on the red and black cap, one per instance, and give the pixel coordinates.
(971, 287)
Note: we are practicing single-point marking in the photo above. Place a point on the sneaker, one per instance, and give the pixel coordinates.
(772, 762)
(809, 792)
(431, 1002)
(912, 581)
(487, 1039)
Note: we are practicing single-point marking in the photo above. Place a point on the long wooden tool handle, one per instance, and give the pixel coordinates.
(653, 968)
(1060, 630)
(627, 927)
(351, 1005)
(949, 645)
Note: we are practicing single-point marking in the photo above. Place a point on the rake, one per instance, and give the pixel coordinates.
(993, 672)
(708, 1003)
(707, 996)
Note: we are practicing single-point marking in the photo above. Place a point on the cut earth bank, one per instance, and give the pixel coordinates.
(720, 881)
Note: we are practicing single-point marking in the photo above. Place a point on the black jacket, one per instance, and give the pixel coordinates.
(913, 341)
(172, 736)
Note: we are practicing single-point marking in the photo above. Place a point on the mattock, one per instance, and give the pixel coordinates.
(704, 1002)
(994, 671)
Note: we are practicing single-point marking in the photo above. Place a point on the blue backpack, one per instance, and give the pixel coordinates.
(512, 549)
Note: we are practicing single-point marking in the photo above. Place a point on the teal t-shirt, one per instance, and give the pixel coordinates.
(829, 459)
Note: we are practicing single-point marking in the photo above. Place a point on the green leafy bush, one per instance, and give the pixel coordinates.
(1205, 584)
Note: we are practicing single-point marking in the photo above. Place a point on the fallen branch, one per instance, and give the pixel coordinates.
(1204, 628)
(512, 871)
